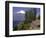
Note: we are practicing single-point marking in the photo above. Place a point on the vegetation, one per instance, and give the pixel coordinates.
(39, 17)
(15, 28)
(24, 26)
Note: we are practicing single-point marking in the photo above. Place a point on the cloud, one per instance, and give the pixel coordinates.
(21, 11)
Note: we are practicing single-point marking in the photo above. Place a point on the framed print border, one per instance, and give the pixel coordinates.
(7, 18)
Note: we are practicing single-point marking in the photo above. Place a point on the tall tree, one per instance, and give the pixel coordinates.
(29, 16)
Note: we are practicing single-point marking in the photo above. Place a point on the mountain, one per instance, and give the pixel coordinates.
(19, 16)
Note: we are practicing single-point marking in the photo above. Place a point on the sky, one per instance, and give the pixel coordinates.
(19, 12)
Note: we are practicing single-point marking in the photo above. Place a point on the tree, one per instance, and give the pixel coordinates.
(29, 16)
